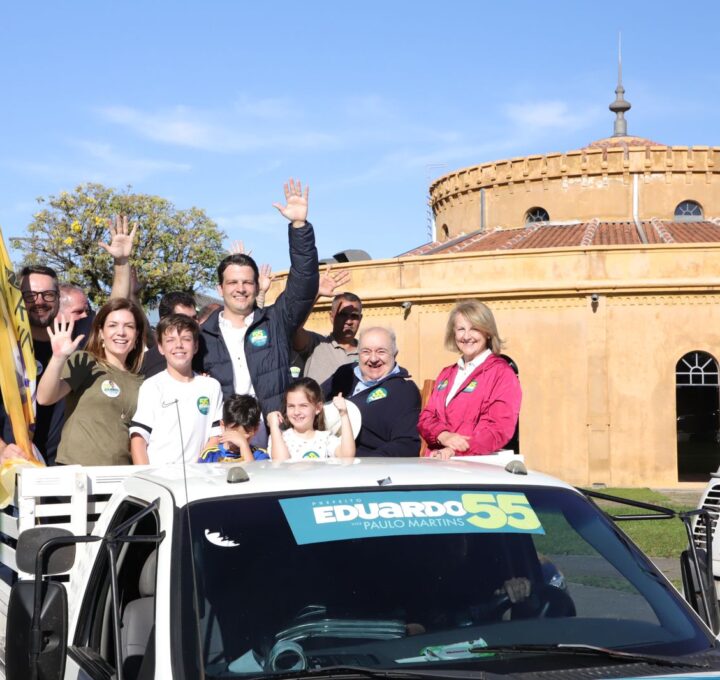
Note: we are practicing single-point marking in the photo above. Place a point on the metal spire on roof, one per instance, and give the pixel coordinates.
(620, 105)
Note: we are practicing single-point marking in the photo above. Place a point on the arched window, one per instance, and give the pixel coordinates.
(697, 369)
(688, 211)
(536, 214)
(445, 231)
(697, 403)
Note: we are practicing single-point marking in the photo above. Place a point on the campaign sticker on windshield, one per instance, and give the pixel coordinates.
(338, 517)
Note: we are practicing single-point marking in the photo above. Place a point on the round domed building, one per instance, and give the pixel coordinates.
(602, 266)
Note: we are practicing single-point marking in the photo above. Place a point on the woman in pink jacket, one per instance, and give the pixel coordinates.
(474, 406)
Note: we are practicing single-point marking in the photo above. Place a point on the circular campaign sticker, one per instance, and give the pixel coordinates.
(203, 404)
(110, 389)
(311, 454)
(259, 337)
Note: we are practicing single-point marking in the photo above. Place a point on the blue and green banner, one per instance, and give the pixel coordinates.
(339, 517)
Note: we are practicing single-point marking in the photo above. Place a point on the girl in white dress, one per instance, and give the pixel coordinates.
(304, 435)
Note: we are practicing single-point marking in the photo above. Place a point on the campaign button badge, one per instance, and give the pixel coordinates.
(110, 389)
(259, 337)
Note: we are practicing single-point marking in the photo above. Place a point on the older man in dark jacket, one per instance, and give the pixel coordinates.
(388, 400)
(245, 348)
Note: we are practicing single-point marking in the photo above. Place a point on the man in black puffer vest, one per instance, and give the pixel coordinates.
(245, 348)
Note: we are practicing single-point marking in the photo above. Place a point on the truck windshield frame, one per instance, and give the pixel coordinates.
(276, 594)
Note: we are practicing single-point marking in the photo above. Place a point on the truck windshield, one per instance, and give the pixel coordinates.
(423, 578)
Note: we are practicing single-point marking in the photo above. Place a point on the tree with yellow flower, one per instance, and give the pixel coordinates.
(174, 249)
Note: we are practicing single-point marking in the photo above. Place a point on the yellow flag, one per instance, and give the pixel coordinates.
(18, 370)
(8, 470)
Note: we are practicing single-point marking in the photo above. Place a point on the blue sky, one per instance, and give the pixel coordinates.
(215, 104)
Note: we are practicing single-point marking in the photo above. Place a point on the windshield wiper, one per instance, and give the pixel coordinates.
(592, 650)
(365, 672)
(479, 650)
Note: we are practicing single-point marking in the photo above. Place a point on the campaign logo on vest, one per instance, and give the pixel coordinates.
(471, 386)
(442, 386)
(110, 389)
(311, 454)
(379, 393)
(259, 337)
(203, 404)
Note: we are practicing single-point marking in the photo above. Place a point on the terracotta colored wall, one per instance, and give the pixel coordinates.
(599, 386)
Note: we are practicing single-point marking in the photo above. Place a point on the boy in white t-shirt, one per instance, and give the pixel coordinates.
(178, 411)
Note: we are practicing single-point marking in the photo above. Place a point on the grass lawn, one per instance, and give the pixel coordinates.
(656, 538)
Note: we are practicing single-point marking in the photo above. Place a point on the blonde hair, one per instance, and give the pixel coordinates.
(480, 318)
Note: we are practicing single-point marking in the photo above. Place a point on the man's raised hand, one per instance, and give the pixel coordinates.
(121, 238)
(238, 248)
(330, 281)
(296, 203)
(265, 278)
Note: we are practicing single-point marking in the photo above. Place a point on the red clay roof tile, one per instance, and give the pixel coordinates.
(548, 235)
(693, 232)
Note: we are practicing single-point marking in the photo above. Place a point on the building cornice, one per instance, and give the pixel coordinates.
(567, 273)
(588, 162)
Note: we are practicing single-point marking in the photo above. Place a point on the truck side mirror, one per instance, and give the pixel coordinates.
(50, 662)
(58, 560)
(37, 615)
(699, 593)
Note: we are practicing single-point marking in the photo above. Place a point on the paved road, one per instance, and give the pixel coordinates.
(669, 566)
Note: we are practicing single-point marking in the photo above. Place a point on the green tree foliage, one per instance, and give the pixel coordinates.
(174, 249)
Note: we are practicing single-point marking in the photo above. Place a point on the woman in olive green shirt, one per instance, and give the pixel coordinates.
(100, 384)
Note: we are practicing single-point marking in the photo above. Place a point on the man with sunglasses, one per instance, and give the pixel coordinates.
(41, 293)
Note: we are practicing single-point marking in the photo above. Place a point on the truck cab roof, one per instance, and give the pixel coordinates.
(211, 480)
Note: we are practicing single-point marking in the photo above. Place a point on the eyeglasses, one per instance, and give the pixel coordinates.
(47, 295)
(367, 353)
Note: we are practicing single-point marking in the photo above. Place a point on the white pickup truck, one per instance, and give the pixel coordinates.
(402, 568)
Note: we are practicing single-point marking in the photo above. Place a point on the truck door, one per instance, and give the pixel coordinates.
(91, 652)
